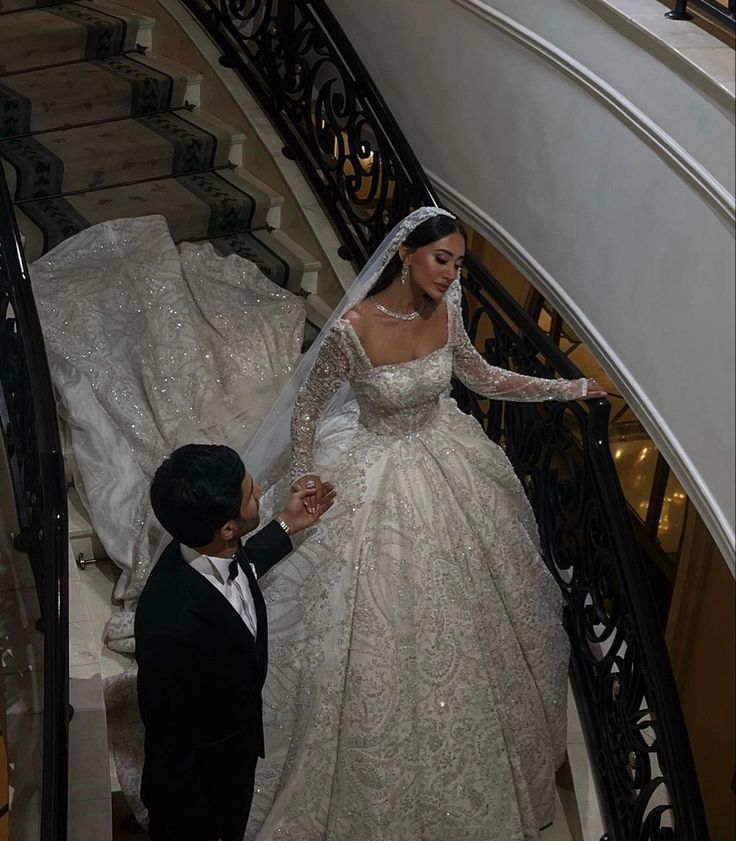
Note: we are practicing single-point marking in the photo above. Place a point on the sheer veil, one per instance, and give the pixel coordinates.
(268, 450)
(267, 454)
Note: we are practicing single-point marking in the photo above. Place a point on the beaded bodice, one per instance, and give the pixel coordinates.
(403, 398)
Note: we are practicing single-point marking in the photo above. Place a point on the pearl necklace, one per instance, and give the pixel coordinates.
(400, 315)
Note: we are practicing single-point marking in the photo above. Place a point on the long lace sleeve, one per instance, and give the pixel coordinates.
(331, 368)
(489, 381)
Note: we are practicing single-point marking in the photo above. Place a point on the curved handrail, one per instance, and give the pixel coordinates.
(31, 435)
(294, 57)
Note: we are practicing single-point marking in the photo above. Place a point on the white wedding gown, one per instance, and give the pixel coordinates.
(152, 346)
(417, 672)
(417, 677)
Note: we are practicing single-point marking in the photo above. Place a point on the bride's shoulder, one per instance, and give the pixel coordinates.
(356, 315)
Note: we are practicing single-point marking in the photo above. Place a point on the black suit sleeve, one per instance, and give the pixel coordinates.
(172, 789)
(268, 547)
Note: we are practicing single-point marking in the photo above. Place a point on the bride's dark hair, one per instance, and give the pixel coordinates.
(429, 231)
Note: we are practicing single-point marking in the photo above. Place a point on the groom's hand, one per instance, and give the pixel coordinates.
(298, 516)
(310, 482)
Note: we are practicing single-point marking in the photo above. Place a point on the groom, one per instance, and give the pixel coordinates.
(201, 642)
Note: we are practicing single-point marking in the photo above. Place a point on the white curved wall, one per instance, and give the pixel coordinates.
(606, 174)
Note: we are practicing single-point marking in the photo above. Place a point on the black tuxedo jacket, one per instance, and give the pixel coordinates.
(200, 675)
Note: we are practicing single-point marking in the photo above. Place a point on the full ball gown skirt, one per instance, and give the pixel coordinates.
(417, 672)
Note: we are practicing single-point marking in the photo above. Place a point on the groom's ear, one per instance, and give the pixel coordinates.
(229, 530)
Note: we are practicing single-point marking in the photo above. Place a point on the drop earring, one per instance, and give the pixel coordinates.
(404, 274)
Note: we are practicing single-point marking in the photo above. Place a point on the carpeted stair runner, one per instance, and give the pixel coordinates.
(64, 33)
(7, 6)
(85, 92)
(109, 154)
(92, 128)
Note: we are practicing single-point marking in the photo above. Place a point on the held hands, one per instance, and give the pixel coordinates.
(307, 504)
(310, 482)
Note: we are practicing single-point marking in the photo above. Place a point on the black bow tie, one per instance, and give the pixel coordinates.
(232, 569)
(240, 559)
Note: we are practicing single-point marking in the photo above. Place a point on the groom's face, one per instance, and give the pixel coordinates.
(249, 507)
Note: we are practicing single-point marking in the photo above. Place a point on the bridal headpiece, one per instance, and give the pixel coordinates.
(413, 220)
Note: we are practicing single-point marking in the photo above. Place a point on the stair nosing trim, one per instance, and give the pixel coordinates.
(134, 51)
(70, 126)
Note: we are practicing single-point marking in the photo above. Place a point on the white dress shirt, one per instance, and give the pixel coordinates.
(237, 591)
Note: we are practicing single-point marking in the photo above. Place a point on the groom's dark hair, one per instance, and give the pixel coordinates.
(196, 490)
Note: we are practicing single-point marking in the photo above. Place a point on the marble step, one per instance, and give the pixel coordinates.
(85, 545)
(89, 816)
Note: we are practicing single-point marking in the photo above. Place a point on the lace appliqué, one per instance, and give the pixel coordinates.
(498, 383)
(331, 369)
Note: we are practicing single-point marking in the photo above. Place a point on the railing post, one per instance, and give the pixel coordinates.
(30, 432)
(680, 11)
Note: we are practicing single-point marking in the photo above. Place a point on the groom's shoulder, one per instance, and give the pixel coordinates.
(165, 604)
(159, 583)
(166, 564)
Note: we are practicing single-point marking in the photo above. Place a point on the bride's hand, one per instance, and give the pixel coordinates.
(297, 516)
(595, 391)
(312, 483)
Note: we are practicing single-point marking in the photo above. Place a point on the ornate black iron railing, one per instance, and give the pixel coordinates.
(315, 89)
(621, 674)
(719, 12)
(294, 57)
(31, 435)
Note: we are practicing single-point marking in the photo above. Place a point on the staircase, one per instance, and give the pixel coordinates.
(94, 127)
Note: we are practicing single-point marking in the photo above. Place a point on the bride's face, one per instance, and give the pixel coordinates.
(433, 267)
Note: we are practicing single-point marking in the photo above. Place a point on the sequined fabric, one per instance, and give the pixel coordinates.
(417, 677)
(151, 347)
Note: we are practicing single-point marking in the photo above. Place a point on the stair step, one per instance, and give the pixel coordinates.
(111, 154)
(85, 544)
(282, 260)
(59, 35)
(275, 199)
(7, 6)
(200, 206)
(87, 92)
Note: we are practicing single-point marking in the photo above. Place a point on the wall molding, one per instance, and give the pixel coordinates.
(657, 427)
(721, 201)
(629, 26)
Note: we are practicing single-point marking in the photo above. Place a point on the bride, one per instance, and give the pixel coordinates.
(417, 677)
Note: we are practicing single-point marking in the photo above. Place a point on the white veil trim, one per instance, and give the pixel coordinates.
(271, 441)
